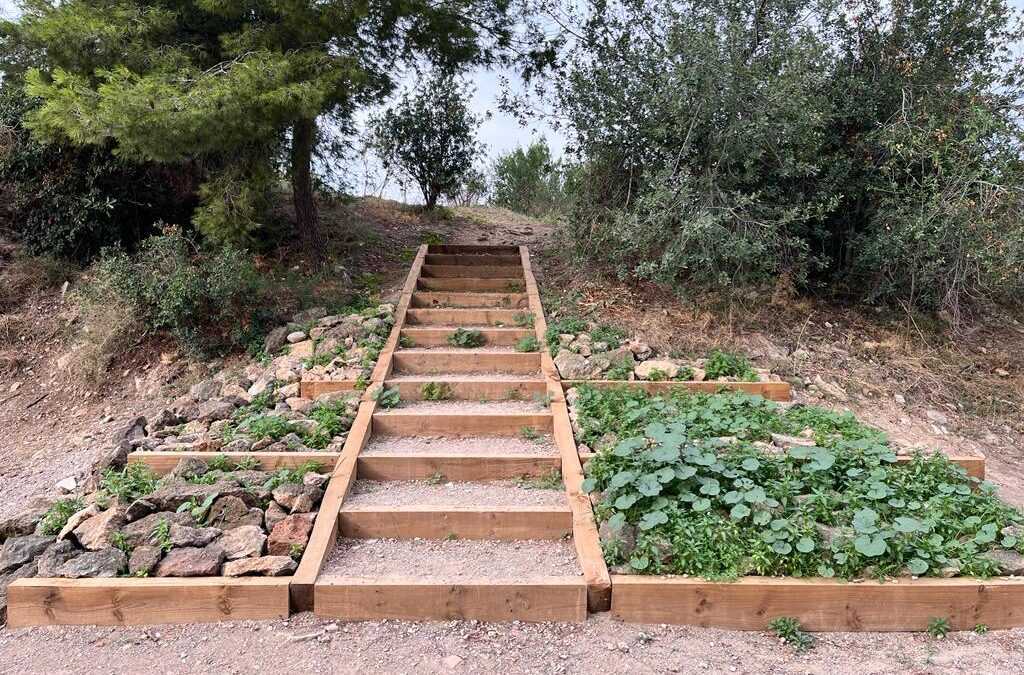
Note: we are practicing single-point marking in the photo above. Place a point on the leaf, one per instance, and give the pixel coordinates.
(685, 471)
(805, 545)
(648, 485)
(986, 535)
(710, 487)
(652, 519)
(907, 525)
(755, 496)
(739, 512)
(732, 497)
(621, 479)
(588, 485)
(1009, 541)
(665, 453)
(917, 566)
(826, 571)
(626, 447)
(782, 547)
(868, 546)
(627, 500)
(864, 521)
(640, 563)
(750, 464)
(702, 504)
(665, 475)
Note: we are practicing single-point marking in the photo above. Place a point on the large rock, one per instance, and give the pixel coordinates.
(620, 357)
(230, 512)
(572, 366)
(121, 443)
(25, 521)
(625, 536)
(218, 409)
(205, 390)
(18, 551)
(275, 514)
(54, 557)
(192, 562)
(106, 563)
(243, 542)
(667, 368)
(297, 498)
(94, 533)
(267, 566)
(144, 560)
(1009, 562)
(290, 535)
(76, 519)
(189, 467)
(174, 492)
(140, 532)
(276, 339)
(198, 537)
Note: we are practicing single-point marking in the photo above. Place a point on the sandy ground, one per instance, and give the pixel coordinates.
(479, 445)
(371, 493)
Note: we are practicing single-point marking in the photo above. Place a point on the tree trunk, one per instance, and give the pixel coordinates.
(307, 219)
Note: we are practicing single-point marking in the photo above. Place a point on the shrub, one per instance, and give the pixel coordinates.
(528, 181)
(528, 344)
(133, 481)
(726, 364)
(57, 516)
(462, 337)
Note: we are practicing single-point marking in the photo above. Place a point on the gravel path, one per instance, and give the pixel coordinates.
(479, 377)
(369, 493)
(458, 407)
(477, 445)
(451, 558)
(483, 349)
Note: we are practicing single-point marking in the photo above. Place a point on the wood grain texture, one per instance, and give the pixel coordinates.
(163, 462)
(488, 285)
(401, 423)
(127, 602)
(820, 604)
(313, 388)
(462, 317)
(473, 271)
(468, 299)
(775, 391)
(420, 466)
(462, 522)
(539, 599)
(414, 362)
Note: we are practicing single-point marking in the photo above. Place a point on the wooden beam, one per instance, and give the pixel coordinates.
(124, 602)
(775, 391)
(492, 284)
(471, 390)
(400, 423)
(820, 604)
(313, 388)
(539, 599)
(383, 367)
(462, 317)
(463, 522)
(418, 362)
(473, 271)
(467, 299)
(472, 249)
(420, 466)
(497, 259)
(163, 462)
(438, 337)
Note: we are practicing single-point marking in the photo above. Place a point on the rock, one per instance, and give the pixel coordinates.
(566, 339)
(299, 405)
(18, 551)
(219, 409)
(291, 534)
(1009, 562)
(309, 315)
(189, 467)
(1002, 372)
(237, 445)
(230, 512)
(205, 390)
(900, 399)
(302, 350)
(296, 337)
(949, 571)
(198, 537)
(140, 532)
(165, 418)
(55, 555)
(67, 485)
(243, 542)
(297, 498)
(261, 384)
(668, 369)
(625, 536)
(572, 366)
(192, 562)
(94, 533)
(77, 519)
(144, 560)
(698, 375)
(267, 566)
(828, 534)
(276, 339)
(105, 563)
(116, 456)
(830, 390)
(784, 441)
(26, 520)
(641, 350)
(174, 492)
(236, 393)
(314, 479)
(937, 416)
(140, 508)
(275, 514)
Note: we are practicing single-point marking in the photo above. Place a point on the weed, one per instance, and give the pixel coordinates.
(120, 540)
(565, 325)
(247, 464)
(294, 475)
(436, 391)
(657, 375)
(684, 374)
(543, 400)
(726, 364)
(198, 510)
(387, 397)
(466, 338)
(134, 481)
(938, 627)
(528, 344)
(451, 536)
(162, 535)
(432, 238)
(530, 434)
(789, 631)
(548, 481)
(333, 419)
(523, 319)
(362, 382)
(610, 335)
(321, 359)
(980, 628)
(405, 342)
(435, 478)
(295, 552)
(619, 371)
(513, 395)
(57, 515)
(515, 287)
(219, 462)
(267, 426)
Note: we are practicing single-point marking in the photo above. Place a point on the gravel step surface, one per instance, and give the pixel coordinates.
(487, 376)
(458, 407)
(367, 494)
(478, 445)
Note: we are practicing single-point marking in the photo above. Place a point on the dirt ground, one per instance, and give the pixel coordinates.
(960, 395)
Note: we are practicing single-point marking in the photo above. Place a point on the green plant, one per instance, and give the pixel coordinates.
(387, 397)
(980, 628)
(657, 375)
(789, 631)
(726, 364)
(513, 395)
(569, 325)
(432, 238)
(528, 344)
(198, 510)
(529, 181)
(530, 434)
(162, 535)
(938, 627)
(551, 480)
(405, 342)
(133, 481)
(684, 374)
(120, 540)
(56, 516)
(321, 359)
(362, 382)
(515, 287)
(435, 478)
(333, 419)
(247, 464)
(295, 552)
(462, 337)
(436, 391)
(523, 319)
(619, 371)
(291, 475)
(266, 426)
(611, 335)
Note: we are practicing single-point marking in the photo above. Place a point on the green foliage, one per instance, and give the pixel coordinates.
(530, 434)
(333, 419)
(295, 552)
(789, 631)
(133, 481)
(274, 427)
(523, 319)
(119, 540)
(462, 337)
(198, 510)
(619, 371)
(286, 475)
(725, 364)
(430, 136)
(219, 462)
(938, 627)
(161, 536)
(551, 480)
(56, 516)
(435, 478)
(528, 344)
(565, 325)
(980, 628)
(722, 509)
(436, 391)
(528, 181)
(612, 335)
(387, 397)
(321, 359)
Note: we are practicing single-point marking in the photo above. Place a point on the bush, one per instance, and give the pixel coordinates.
(528, 181)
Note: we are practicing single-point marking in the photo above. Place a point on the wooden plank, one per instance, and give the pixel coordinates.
(463, 522)
(539, 599)
(418, 362)
(447, 299)
(124, 602)
(400, 423)
(472, 249)
(491, 284)
(463, 317)
(473, 271)
(420, 466)
(775, 391)
(163, 462)
(383, 367)
(499, 259)
(313, 388)
(438, 337)
(820, 604)
(472, 390)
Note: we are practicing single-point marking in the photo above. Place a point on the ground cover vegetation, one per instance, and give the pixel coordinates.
(730, 484)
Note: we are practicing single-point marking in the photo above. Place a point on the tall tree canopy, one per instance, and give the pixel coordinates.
(238, 86)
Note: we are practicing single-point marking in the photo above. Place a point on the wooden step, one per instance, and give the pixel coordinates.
(463, 522)
(505, 271)
(434, 361)
(495, 300)
(506, 260)
(402, 423)
(489, 285)
(438, 337)
(421, 466)
(470, 390)
(472, 249)
(536, 599)
(464, 317)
